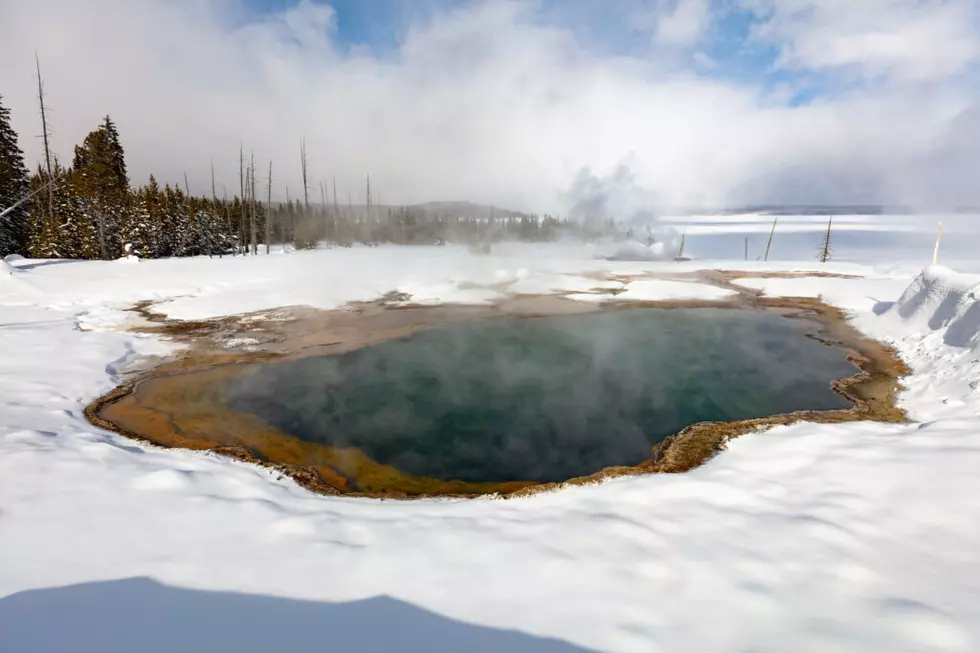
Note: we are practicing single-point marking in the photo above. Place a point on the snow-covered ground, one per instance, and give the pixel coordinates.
(849, 537)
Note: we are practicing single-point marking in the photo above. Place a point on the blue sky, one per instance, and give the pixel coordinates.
(604, 27)
(705, 102)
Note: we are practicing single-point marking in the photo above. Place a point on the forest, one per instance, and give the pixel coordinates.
(90, 210)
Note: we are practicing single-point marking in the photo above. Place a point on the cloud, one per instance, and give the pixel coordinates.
(480, 102)
(908, 40)
(684, 23)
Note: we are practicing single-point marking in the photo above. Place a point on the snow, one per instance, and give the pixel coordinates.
(662, 289)
(848, 537)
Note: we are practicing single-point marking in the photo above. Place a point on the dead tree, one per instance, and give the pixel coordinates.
(268, 213)
(306, 183)
(241, 188)
(825, 249)
(324, 214)
(336, 212)
(45, 134)
(769, 244)
(292, 219)
(254, 208)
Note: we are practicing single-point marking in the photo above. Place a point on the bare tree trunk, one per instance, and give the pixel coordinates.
(253, 236)
(769, 244)
(292, 221)
(47, 149)
(241, 184)
(245, 208)
(323, 211)
(306, 183)
(100, 223)
(336, 212)
(825, 249)
(268, 213)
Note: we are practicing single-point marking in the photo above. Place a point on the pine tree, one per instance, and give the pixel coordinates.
(42, 231)
(78, 236)
(68, 232)
(178, 231)
(13, 187)
(142, 226)
(103, 185)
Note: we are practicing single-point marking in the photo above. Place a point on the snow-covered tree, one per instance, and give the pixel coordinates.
(142, 225)
(103, 185)
(13, 187)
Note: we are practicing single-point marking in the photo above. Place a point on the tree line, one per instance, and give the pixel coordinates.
(89, 210)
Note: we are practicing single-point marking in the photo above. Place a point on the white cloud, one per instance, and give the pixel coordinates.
(905, 40)
(684, 23)
(478, 103)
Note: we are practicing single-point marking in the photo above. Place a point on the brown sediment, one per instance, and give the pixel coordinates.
(179, 404)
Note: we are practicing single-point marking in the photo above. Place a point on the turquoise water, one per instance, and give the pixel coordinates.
(546, 399)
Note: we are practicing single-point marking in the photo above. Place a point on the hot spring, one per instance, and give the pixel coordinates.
(541, 399)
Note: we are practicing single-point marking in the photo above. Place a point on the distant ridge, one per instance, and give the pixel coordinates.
(468, 209)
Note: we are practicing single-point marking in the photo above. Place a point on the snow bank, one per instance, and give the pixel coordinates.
(941, 299)
(14, 287)
(810, 537)
(653, 290)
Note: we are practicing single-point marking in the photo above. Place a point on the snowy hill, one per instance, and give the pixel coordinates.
(941, 299)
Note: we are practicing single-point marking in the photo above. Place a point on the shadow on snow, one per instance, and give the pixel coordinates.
(140, 614)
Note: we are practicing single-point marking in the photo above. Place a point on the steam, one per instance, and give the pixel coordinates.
(619, 196)
(484, 102)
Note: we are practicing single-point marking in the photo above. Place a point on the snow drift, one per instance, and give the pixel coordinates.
(941, 299)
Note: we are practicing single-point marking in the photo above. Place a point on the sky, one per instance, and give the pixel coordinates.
(535, 105)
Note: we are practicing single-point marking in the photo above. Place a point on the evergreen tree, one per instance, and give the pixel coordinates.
(13, 187)
(103, 185)
(141, 228)
(69, 233)
(77, 234)
(42, 233)
(178, 233)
